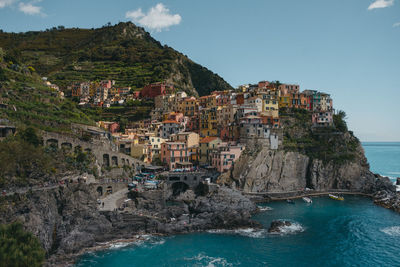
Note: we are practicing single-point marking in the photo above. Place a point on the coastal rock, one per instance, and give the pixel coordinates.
(398, 181)
(275, 171)
(67, 220)
(276, 226)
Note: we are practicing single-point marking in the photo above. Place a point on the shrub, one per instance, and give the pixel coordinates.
(19, 248)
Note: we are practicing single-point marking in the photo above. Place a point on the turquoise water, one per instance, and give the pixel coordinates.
(384, 158)
(353, 232)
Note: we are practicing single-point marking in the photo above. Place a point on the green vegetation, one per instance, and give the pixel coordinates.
(25, 162)
(30, 103)
(19, 248)
(123, 52)
(330, 144)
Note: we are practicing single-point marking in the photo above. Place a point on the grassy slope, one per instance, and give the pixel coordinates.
(37, 105)
(123, 52)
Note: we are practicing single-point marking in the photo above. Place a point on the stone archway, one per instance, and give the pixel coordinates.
(106, 160)
(179, 188)
(52, 142)
(114, 161)
(66, 146)
(99, 191)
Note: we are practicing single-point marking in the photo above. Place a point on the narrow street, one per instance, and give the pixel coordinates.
(110, 201)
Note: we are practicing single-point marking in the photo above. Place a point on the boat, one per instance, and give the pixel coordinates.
(335, 197)
(307, 199)
(289, 201)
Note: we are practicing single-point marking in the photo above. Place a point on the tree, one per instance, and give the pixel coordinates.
(29, 135)
(339, 120)
(19, 248)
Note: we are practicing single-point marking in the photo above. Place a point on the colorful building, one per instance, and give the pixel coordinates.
(206, 145)
(155, 89)
(175, 155)
(322, 119)
(208, 122)
(223, 158)
(169, 127)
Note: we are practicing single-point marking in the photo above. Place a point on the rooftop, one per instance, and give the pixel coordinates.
(207, 139)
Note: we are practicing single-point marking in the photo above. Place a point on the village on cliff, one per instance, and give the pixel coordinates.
(187, 132)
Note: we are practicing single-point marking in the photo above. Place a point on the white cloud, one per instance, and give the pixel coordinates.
(157, 18)
(381, 4)
(4, 3)
(397, 24)
(30, 8)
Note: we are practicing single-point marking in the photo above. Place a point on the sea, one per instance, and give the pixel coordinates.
(353, 232)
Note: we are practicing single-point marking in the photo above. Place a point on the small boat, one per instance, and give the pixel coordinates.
(335, 197)
(289, 201)
(307, 199)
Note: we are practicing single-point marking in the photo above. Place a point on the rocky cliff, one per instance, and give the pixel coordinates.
(67, 220)
(265, 170)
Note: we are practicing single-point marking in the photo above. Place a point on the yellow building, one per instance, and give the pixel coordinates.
(284, 101)
(208, 122)
(189, 106)
(271, 100)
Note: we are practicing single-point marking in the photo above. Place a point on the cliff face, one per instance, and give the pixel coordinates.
(281, 171)
(64, 219)
(67, 220)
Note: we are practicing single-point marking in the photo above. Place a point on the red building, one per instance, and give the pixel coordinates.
(240, 99)
(156, 89)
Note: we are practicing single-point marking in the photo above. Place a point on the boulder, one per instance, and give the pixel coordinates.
(275, 226)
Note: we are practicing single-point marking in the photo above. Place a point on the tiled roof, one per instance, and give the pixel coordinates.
(207, 139)
(170, 121)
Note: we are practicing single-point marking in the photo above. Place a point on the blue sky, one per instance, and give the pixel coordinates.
(348, 48)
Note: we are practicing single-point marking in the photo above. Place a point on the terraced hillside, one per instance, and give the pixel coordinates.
(124, 52)
(26, 102)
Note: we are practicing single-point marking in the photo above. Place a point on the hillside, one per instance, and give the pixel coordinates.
(124, 52)
(29, 103)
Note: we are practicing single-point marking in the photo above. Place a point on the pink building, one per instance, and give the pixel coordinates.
(107, 84)
(113, 127)
(322, 119)
(223, 158)
(175, 155)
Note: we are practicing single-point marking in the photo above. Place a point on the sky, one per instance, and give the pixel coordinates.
(348, 48)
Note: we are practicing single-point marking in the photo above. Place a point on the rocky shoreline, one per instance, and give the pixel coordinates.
(68, 222)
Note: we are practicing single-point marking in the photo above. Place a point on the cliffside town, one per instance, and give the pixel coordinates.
(185, 132)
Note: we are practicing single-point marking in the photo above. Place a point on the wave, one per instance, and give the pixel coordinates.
(248, 232)
(294, 228)
(392, 231)
(204, 260)
(264, 208)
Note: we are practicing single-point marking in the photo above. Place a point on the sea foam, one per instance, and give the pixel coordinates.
(392, 231)
(204, 260)
(248, 232)
(264, 208)
(294, 228)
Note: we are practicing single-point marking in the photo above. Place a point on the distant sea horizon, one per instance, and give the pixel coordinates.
(383, 157)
